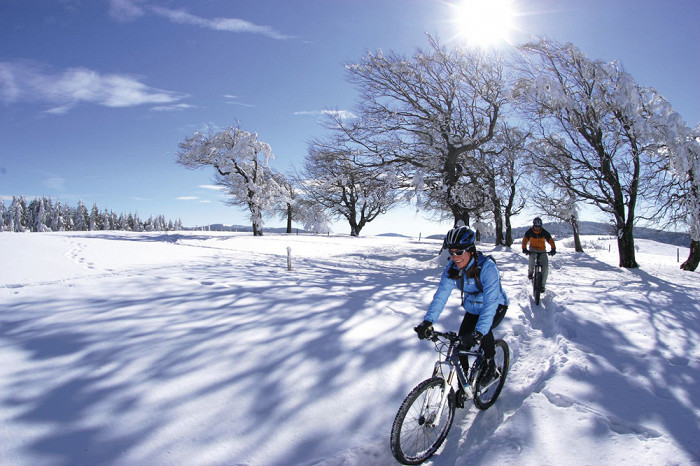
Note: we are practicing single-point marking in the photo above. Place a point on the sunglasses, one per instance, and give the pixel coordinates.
(458, 252)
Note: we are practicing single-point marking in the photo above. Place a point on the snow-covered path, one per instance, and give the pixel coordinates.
(201, 348)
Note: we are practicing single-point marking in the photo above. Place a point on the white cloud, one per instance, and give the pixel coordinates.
(171, 108)
(25, 81)
(187, 198)
(212, 187)
(233, 100)
(343, 114)
(127, 10)
(217, 24)
(55, 183)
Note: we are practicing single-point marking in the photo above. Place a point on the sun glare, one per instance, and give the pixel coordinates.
(485, 23)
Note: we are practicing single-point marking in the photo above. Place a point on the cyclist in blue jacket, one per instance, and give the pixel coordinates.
(483, 298)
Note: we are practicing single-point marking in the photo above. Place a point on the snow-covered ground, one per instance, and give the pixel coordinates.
(203, 349)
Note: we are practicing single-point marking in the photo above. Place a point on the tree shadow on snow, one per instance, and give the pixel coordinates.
(164, 367)
(634, 384)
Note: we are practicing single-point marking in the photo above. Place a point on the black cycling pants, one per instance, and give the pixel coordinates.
(487, 342)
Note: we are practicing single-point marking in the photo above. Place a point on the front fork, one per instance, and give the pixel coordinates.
(454, 368)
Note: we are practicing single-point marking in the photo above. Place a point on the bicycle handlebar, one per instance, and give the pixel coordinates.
(453, 338)
(435, 336)
(450, 336)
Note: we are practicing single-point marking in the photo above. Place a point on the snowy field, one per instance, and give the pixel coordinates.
(203, 349)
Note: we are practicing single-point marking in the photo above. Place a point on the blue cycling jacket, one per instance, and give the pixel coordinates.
(475, 301)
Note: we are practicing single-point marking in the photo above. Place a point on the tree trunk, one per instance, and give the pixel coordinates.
(693, 258)
(460, 214)
(289, 218)
(625, 245)
(499, 231)
(509, 233)
(509, 226)
(577, 238)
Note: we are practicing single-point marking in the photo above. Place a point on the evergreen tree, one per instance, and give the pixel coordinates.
(57, 222)
(68, 218)
(18, 211)
(2, 214)
(81, 218)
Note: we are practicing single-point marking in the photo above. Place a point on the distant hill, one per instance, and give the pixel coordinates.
(562, 230)
(241, 228)
(559, 230)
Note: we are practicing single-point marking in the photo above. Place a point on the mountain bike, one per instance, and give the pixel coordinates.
(425, 416)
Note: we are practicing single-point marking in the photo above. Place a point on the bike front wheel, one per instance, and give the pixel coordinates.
(421, 425)
(537, 286)
(487, 391)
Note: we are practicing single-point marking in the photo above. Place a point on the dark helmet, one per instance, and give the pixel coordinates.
(537, 222)
(460, 238)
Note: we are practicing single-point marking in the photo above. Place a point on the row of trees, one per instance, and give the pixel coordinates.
(42, 215)
(476, 136)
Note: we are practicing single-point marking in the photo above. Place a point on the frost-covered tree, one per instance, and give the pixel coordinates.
(9, 219)
(57, 221)
(596, 135)
(81, 218)
(311, 215)
(37, 215)
(18, 214)
(68, 218)
(554, 202)
(242, 166)
(501, 168)
(687, 164)
(346, 190)
(424, 118)
(284, 207)
(512, 175)
(680, 195)
(2, 214)
(294, 206)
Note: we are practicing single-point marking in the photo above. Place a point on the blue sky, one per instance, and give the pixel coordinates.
(96, 94)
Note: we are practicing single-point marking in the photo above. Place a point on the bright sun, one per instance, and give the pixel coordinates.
(485, 23)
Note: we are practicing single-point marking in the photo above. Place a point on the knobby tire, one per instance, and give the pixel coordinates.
(484, 399)
(414, 438)
(537, 286)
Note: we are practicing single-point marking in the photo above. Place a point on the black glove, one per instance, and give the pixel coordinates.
(471, 339)
(552, 252)
(424, 330)
(526, 252)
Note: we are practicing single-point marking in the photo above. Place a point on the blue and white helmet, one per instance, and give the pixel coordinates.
(460, 238)
(537, 222)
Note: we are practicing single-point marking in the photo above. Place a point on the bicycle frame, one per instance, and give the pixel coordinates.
(538, 263)
(454, 364)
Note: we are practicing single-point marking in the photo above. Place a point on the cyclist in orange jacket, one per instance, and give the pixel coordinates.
(536, 236)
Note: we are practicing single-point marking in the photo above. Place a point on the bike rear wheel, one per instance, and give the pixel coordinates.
(487, 391)
(417, 433)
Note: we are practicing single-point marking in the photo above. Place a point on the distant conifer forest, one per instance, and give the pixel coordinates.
(42, 214)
